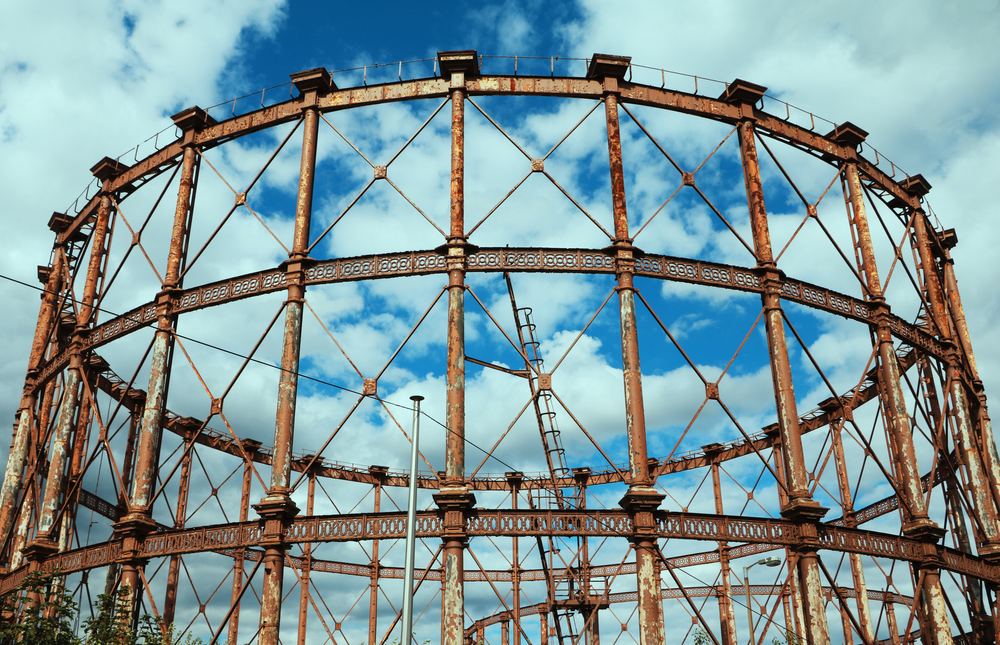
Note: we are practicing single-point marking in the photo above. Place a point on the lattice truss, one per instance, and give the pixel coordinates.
(216, 417)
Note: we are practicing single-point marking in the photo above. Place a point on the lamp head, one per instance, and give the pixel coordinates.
(772, 561)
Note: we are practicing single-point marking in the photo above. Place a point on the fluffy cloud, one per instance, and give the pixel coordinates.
(922, 81)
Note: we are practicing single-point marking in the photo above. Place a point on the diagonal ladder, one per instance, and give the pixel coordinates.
(562, 586)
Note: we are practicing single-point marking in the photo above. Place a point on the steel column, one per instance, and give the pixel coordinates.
(139, 522)
(953, 497)
(800, 506)
(789, 620)
(173, 572)
(373, 594)
(798, 624)
(937, 609)
(32, 489)
(70, 401)
(893, 404)
(845, 623)
(976, 449)
(983, 487)
(935, 618)
(240, 558)
(890, 619)
(453, 499)
(152, 416)
(13, 476)
(515, 571)
(277, 507)
(641, 500)
(71, 492)
(727, 615)
(857, 567)
(986, 439)
(304, 589)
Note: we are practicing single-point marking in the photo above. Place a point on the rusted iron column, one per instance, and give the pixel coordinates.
(514, 480)
(81, 435)
(32, 488)
(786, 605)
(993, 592)
(277, 509)
(948, 464)
(980, 621)
(917, 523)
(979, 478)
(304, 590)
(991, 460)
(138, 523)
(987, 443)
(173, 573)
(890, 619)
(45, 542)
(234, 618)
(857, 567)
(642, 500)
(23, 528)
(937, 610)
(727, 616)
(800, 506)
(845, 623)
(13, 480)
(590, 598)
(379, 472)
(796, 626)
(933, 612)
(454, 499)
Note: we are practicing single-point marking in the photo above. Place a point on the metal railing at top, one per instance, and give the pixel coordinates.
(381, 73)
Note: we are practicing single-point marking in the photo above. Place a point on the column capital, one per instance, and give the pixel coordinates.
(744, 95)
(316, 80)
(642, 503)
(609, 70)
(924, 530)
(40, 549)
(454, 505)
(803, 510)
(276, 511)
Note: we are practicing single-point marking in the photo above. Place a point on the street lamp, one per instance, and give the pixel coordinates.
(772, 561)
(411, 520)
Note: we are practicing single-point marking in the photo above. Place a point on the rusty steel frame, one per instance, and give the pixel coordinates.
(58, 419)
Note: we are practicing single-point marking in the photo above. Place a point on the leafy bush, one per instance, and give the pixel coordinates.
(49, 620)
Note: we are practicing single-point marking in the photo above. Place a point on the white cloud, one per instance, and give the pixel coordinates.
(923, 82)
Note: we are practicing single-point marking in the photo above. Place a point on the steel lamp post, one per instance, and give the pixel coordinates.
(772, 561)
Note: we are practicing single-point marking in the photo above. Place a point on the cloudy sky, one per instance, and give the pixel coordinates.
(80, 83)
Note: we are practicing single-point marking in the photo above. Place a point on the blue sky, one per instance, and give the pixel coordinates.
(105, 78)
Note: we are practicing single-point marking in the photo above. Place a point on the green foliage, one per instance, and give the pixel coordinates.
(701, 637)
(49, 621)
(791, 638)
(107, 629)
(41, 613)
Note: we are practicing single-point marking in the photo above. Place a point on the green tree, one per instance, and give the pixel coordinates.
(49, 619)
(106, 629)
(41, 611)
